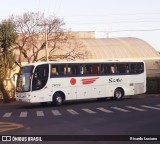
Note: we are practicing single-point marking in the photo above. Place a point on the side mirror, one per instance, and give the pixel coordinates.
(15, 76)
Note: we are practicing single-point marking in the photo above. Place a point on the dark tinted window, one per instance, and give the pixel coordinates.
(93, 69)
(54, 70)
(62, 70)
(73, 69)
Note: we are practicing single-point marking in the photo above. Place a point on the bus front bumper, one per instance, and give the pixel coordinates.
(23, 100)
(23, 97)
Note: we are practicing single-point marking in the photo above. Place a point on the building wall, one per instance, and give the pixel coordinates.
(84, 35)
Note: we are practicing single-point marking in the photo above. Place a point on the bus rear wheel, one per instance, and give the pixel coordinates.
(58, 99)
(118, 94)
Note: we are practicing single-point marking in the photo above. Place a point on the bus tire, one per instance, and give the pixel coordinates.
(118, 94)
(58, 99)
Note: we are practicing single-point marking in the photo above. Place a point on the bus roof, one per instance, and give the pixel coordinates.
(83, 61)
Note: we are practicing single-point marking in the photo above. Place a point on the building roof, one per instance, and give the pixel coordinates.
(125, 48)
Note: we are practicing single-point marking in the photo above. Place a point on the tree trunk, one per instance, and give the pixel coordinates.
(6, 97)
(13, 90)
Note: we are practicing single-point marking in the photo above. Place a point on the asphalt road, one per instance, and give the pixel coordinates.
(137, 115)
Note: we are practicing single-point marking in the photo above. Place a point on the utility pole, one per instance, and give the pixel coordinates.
(46, 39)
(108, 33)
(46, 42)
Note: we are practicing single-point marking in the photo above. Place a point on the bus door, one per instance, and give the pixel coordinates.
(39, 82)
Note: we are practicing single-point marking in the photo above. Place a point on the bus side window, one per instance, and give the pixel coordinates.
(140, 67)
(134, 68)
(112, 69)
(81, 69)
(127, 69)
(69, 70)
(106, 68)
(62, 70)
(54, 70)
(95, 69)
(92, 69)
(102, 69)
(88, 69)
(75, 70)
(121, 68)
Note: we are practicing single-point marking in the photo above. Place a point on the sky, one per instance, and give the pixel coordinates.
(108, 18)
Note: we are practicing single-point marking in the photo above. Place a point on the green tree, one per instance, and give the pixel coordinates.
(8, 37)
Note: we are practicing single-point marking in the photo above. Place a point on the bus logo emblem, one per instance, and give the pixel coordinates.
(73, 81)
(89, 80)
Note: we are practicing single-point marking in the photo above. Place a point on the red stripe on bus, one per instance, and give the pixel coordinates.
(89, 80)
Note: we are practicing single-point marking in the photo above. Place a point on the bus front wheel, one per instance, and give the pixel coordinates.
(118, 94)
(58, 99)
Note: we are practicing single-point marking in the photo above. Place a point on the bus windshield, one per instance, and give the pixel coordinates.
(24, 79)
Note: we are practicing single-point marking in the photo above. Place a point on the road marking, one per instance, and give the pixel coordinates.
(56, 112)
(135, 108)
(150, 107)
(40, 113)
(105, 110)
(88, 111)
(72, 111)
(120, 109)
(23, 114)
(8, 114)
(5, 126)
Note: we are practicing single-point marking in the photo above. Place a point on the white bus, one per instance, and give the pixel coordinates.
(57, 81)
